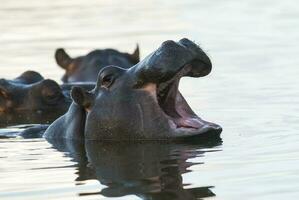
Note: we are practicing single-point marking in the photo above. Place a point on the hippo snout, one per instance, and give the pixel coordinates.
(170, 59)
(201, 63)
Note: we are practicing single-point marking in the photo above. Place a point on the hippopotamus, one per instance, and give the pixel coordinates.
(86, 68)
(30, 91)
(30, 98)
(139, 103)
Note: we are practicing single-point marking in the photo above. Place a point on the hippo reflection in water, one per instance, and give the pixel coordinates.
(139, 103)
(30, 98)
(149, 170)
(86, 68)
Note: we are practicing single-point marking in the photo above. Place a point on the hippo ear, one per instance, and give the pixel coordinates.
(62, 58)
(82, 97)
(135, 56)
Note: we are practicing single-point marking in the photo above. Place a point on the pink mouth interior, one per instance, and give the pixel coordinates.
(174, 105)
(187, 123)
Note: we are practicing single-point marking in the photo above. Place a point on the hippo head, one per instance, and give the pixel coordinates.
(144, 102)
(16, 96)
(86, 68)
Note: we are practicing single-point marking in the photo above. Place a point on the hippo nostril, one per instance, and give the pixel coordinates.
(187, 42)
(169, 43)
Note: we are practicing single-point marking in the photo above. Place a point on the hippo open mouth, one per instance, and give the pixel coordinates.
(182, 119)
(173, 103)
(176, 109)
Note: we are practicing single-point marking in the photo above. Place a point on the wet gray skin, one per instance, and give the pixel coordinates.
(140, 103)
(30, 98)
(86, 68)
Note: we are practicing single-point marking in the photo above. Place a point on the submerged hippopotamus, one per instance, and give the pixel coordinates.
(86, 68)
(30, 91)
(139, 103)
(30, 98)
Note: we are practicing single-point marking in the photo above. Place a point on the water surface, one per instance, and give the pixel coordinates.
(252, 92)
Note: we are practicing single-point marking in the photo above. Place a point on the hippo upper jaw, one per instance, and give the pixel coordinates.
(164, 63)
(181, 118)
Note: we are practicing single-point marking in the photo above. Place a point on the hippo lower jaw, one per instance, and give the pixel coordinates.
(181, 118)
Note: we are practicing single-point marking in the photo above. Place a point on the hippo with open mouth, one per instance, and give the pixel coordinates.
(86, 68)
(139, 103)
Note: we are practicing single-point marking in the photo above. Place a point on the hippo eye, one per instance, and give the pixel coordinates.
(52, 98)
(107, 81)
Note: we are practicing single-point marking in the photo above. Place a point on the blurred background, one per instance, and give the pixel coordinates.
(252, 90)
(257, 34)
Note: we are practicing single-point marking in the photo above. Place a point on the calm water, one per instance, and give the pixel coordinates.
(252, 92)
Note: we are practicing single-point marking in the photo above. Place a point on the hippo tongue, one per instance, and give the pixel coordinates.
(188, 122)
